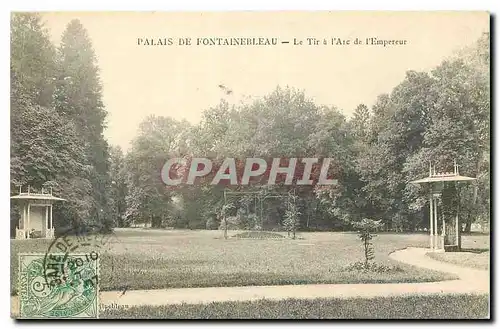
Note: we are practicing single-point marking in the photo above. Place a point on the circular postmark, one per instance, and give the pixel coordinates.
(64, 281)
(71, 253)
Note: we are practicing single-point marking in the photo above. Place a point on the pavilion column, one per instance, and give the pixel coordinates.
(443, 231)
(436, 218)
(28, 221)
(46, 220)
(24, 221)
(431, 219)
(457, 229)
(24, 217)
(436, 223)
(51, 217)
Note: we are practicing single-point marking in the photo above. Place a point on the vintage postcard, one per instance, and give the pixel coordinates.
(250, 165)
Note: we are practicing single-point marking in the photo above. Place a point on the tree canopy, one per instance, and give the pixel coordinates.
(58, 120)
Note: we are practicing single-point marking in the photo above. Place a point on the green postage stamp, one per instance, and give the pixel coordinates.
(55, 286)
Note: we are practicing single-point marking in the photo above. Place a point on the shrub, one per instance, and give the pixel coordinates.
(292, 215)
(231, 223)
(224, 214)
(258, 235)
(372, 267)
(250, 221)
(366, 228)
(212, 223)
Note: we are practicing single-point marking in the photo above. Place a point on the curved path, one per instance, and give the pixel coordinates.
(470, 281)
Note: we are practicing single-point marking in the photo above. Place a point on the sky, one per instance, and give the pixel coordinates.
(182, 81)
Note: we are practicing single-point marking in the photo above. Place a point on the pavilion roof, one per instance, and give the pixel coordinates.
(36, 196)
(442, 178)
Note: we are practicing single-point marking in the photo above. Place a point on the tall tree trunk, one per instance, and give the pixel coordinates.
(225, 227)
(366, 252)
(470, 218)
(468, 224)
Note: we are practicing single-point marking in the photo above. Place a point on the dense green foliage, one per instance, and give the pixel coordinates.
(58, 118)
(79, 97)
(439, 116)
(57, 121)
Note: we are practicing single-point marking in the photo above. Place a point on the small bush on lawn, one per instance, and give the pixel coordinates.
(211, 223)
(372, 267)
(258, 235)
(292, 215)
(231, 223)
(366, 228)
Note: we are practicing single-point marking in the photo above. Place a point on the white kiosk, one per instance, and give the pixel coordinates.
(36, 214)
(450, 237)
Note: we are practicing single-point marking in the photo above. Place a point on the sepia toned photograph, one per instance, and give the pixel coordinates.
(250, 165)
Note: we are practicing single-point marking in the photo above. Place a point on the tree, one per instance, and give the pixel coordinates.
(360, 123)
(459, 131)
(342, 203)
(32, 70)
(224, 213)
(292, 214)
(285, 124)
(118, 189)
(159, 139)
(399, 123)
(78, 96)
(45, 146)
(439, 116)
(366, 228)
(32, 58)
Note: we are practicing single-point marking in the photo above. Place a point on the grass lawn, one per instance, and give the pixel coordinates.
(412, 307)
(476, 259)
(153, 259)
(475, 253)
